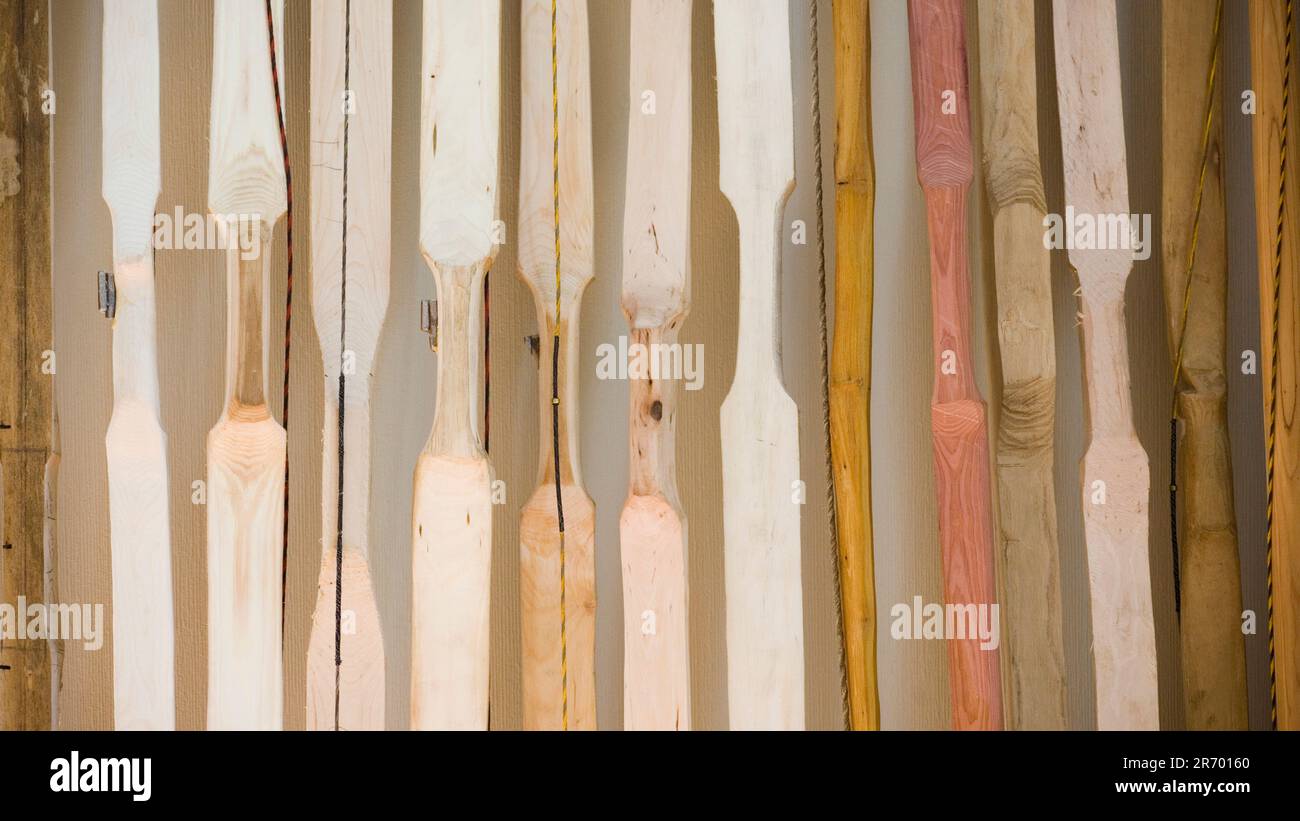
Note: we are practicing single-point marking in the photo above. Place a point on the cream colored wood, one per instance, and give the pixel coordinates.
(144, 690)
(656, 297)
(246, 448)
(348, 305)
(1116, 476)
(452, 508)
(760, 423)
(559, 621)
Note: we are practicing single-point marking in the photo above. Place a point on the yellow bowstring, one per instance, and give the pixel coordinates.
(555, 353)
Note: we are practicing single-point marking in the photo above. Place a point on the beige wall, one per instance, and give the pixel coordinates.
(191, 302)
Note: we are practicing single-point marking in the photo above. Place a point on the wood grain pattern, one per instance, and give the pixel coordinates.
(452, 519)
(1116, 476)
(349, 302)
(1213, 648)
(50, 543)
(1279, 306)
(958, 421)
(1030, 563)
(850, 366)
(246, 448)
(760, 422)
(144, 690)
(26, 391)
(544, 637)
(656, 298)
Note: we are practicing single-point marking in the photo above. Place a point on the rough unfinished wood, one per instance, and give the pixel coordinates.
(349, 301)
(1116, 476)
(144, 688)
(1030, 563)
(245, 489)
(452, 519)
(760, 422)
(1213, 648)
(656, 297)
(1279, 307)
(553, 628)
(26, 380)
(941, 107)
(51, 549)
(850, 385)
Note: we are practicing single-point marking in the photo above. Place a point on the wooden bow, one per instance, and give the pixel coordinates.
(557, 527)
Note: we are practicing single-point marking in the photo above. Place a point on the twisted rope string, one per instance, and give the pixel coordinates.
(1270, 426)
(555, 365)
(825, 353)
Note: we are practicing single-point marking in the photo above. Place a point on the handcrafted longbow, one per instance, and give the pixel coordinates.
(1031, 582)
(351, 173)
(557, 562)
(452, 508)
(941, 108)
(1116, 477)
(760, 422)
(656, 297)
(1194, 265)
(850, 382)
(246, 448)
(1275, 77)
(144, 692)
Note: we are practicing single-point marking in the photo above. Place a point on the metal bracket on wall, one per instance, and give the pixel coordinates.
(107, 294)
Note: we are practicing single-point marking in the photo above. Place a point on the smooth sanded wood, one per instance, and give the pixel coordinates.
(850, 385)
(545, 639)
(958, 423)
(452, 508)
(1214, 651)
(26, 344)
(1030, 564)
(760, 422)
(1116, 477)
(246, 448)
(348, 304)
(656, 297)
(1279, 312)
(144, 689)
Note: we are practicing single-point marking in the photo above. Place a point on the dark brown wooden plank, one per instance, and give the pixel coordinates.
(25, 337)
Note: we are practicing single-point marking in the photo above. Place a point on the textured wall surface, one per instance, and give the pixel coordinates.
(191, 314)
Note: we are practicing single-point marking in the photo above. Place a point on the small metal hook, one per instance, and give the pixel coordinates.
(107, 294)
(429, 321)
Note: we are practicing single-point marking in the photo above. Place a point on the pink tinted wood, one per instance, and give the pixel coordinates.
(957, 418)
